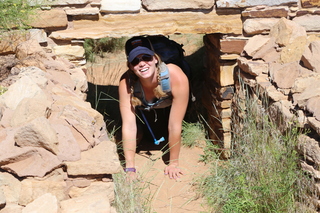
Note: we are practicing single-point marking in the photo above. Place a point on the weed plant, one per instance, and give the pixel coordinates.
(15, 14)
(192, 134)
(129, 196)
(262, 174)
(97, 47)
(137, 196)
(3, 90)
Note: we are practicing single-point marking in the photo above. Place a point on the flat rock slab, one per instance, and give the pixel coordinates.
(165, 23)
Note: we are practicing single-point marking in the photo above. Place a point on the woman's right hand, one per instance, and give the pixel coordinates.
(131, 176)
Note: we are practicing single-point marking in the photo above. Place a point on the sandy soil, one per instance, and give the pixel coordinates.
(171, 195)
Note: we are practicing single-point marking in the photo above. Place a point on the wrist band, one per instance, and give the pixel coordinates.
(130, 169)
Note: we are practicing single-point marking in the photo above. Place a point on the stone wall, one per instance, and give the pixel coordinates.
(272, 45)
(55, 154)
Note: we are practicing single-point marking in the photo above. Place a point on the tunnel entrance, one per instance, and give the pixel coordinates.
(105, 69)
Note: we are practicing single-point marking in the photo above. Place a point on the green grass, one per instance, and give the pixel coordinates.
(15, 14)
(129, 196)
(192, 134)
(3, 89)
(97, 47)
(262, 174)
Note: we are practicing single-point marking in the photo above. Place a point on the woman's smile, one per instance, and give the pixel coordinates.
(144, 70)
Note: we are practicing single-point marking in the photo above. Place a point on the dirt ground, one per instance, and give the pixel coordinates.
(171, 196)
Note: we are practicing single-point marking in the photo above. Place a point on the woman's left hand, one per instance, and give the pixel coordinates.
(173, 171)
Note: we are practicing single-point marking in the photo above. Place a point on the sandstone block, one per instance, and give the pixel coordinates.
(229, 57)
(80, 120)
(302, 83)
(12, 208)
(268, 52)
(154, 5)
(38, 133)
(69, 2)
(82, 11)
(309, 148)
(36, 74)
(309, 22)
(117, 26)
(70, 52)
(308, 93)
(279, 74)
(291, 37)
(265, 88)
(246, 79)
(293, 52)
(38, 164)
(226, 124)
(310, 3)
(227, 140)
(92, 203)
(225, 154)
(93, 188)
(61, 78)
(232, 45)
(101, 159)
(110, 6)
(28, 48)
(80, 80)
(314, 124)
(254, 68)
(32, 189)
(226, 113)
(29, 109)
(225, 104)
(259, 25)
(266, 12)
(313, 107)
(37, 34)
(311, 56)
(82, 141)
(225, 77)
(274, 94)
(255, 44)
(225, 93)
(2, 199)
(250, 3)
(10, 186)
(88, 118)
(13, 154)
(80, 182)
(68, 147)
(24, 87)
(46, 203)
(280, 113)
(312, 171)
(55, 18)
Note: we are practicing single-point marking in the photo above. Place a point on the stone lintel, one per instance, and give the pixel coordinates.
(165, 23)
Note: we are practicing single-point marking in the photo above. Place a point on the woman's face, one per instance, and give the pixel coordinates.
(144, 66)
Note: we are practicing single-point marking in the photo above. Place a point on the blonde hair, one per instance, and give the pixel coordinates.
(158, 92)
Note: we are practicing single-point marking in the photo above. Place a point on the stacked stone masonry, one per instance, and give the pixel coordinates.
(272, 45)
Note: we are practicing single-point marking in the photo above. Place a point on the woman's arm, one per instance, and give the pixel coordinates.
(180, 91)
(129, 128)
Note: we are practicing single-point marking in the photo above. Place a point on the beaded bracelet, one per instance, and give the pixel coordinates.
(130, 169)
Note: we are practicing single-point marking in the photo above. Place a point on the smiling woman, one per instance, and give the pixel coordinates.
(158, 93)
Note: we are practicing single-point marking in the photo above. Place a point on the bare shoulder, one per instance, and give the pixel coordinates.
(176, 73)
(124, 83)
